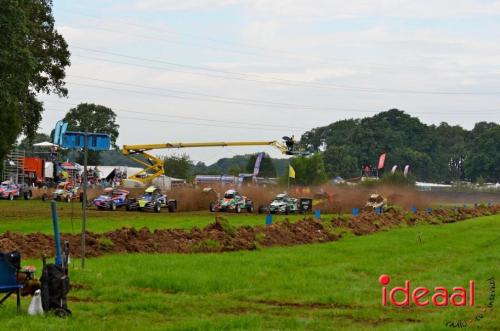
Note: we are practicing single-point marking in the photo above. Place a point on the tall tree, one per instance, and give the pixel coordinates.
(33, 59)
(93, 118)
(483, 159)
(309, 170)
(178, 166)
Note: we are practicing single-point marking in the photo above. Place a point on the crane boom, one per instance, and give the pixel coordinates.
(154, 165)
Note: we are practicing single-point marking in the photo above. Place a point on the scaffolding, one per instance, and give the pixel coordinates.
(13, 167)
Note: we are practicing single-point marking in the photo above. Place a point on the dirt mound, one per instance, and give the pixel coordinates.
(220, 236)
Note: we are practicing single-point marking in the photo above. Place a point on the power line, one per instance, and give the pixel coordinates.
(189, 117)
(183, 123)
(215, 97)
(289, 82)
(252, 104)
(148, 28)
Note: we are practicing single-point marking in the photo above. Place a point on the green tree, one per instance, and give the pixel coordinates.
(267, 168)
(340, 162)
(483, 156)
(92, 118)
(27, 143)
(33, 59)
(309, 170)
(178, 166)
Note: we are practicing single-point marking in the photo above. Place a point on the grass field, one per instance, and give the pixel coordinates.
(34, 216)
(330, 286)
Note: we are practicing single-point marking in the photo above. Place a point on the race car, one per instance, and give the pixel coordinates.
(9, 190)
(153, 199)
(65, 191)
(111, 199)
(282, 204)
(232, 201)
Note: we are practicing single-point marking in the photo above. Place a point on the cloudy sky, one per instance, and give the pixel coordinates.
(220, 70)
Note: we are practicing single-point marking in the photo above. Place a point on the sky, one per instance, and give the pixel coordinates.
(230, 70)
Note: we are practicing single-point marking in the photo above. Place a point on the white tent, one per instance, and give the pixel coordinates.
(45, 144)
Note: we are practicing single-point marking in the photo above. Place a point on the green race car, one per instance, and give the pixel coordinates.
(232, 201)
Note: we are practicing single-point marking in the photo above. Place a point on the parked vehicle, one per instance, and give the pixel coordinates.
(111, 199)
(10, 190)
(282, 204)
(153, 199)
(232, 201)
(65, 191)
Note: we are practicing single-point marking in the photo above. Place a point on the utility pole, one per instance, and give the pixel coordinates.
(84, 200)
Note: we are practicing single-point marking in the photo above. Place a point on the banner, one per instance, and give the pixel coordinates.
(381, 160)
(394, 168)
(291, 172)
(256, 167)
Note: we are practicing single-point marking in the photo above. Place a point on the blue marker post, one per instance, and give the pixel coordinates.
(355, 212)
(414, 209)
(269, 219)
(317, 214)
(429, 210)
(378, 210)
(57, 239)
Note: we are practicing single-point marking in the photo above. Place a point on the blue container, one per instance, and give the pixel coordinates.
(269, 219)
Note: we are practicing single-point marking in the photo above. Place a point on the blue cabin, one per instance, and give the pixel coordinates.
(95, 141)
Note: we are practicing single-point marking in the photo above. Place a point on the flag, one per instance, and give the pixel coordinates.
(381, 161)
(291, 172)
(407, 169)
(256, 167)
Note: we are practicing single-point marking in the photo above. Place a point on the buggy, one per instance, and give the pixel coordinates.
(111, 199)
(282, 204)
(232, 201)
(152, 199)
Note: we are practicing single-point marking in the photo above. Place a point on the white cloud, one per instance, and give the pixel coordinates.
(337, 9)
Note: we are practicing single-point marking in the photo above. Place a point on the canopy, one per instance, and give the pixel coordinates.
(45, 144)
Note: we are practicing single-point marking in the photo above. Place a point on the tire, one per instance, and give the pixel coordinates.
(157, 208)
(81, 197)
(112, 206)
(171, 207)
(11, 197)
(27, 195)
(45, 197)
(212, 207)
(250, 208)
(127, 207)
(287, 210)
(237, 209)
(68, 199)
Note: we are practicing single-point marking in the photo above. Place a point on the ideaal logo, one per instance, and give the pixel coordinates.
(439, 297)
(422, 296)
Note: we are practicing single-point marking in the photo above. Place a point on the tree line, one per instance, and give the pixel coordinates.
(434, 152)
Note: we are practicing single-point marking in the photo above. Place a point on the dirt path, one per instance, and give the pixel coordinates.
(221, 236)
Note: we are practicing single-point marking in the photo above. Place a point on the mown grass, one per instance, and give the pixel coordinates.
(332, 286)
(34, 216)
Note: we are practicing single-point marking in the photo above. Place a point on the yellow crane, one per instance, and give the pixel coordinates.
(154, 165)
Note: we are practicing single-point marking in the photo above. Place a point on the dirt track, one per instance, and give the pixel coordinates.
(221, 236)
